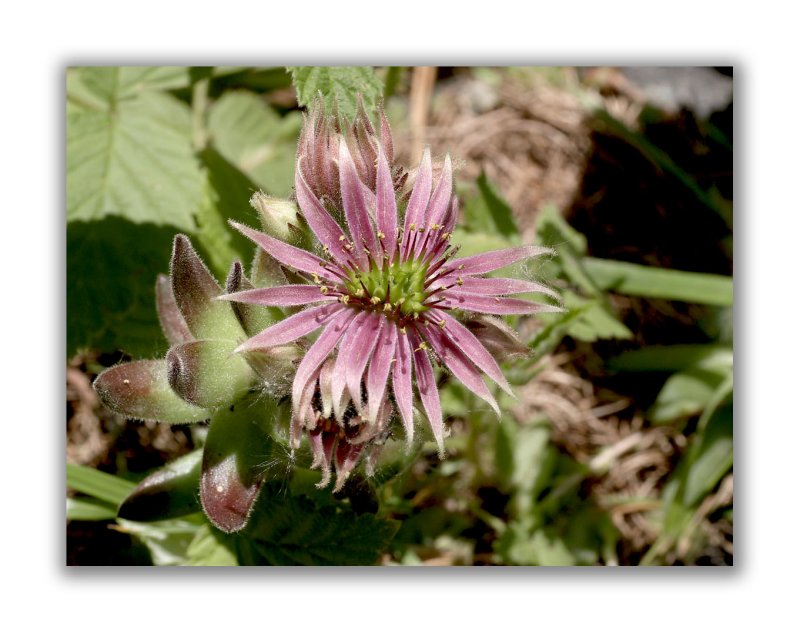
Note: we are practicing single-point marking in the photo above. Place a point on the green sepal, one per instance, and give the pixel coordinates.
(208, 373)
(238, 452)
(140, 390)
(167, 493)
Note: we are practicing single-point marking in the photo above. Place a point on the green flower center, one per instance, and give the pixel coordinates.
(398, 288)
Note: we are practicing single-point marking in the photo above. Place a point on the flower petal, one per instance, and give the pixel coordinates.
(418, 202)
(487, 262)
(471, 346)
(438, 205)
(291, 328)
(386, 205)
(428, 391)
(293, 295)
(501, 286)
(355, 206)
(492, 305)
(440, 200)
(324, 226)
(378, 373)
(288, 255)
(318, 352)
(361, 353)
(351, 343)
(459, 364)
(401, 382)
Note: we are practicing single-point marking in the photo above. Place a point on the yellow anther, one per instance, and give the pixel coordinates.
(446, 236)
(400, 301)
(402, 330)
(442, 324)
(348, 247)
(387, 307)
(323, 289)
(460, 281)
(342, 238)
(375, 301)
(422, 346)
(359, 292)
(381, 235)
(412, 226)
(315, 277)
(461, 267)
(416, 315)
(345, 298)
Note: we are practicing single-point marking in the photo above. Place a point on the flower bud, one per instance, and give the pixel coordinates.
(277, 216)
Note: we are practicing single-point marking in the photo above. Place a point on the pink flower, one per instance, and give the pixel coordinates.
(384, 290)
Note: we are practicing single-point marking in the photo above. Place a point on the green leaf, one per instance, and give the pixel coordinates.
(168, 541)
(112, 265)
(499, 210)
(208, 549)
(89, 510)
(167, 493)
(286, 530)
(129, 153)
(98, 484)
(238, 458)
(672, 357)
(710, 457)
(253, 137)
(660, 283)
(339, 85)
(686, 393)
(226, 196)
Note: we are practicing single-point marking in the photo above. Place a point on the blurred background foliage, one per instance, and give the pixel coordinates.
(618, 449)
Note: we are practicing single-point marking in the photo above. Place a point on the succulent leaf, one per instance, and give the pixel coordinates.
(141, 390)
(168, 493)
(237, 452)
(208, 374)
(194, 289)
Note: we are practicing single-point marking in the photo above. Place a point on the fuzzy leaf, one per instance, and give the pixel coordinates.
(140, 390)
(236, 451)
(195, 290)
(340, 87)
(169, 492)
(208, 374)
(499, 211)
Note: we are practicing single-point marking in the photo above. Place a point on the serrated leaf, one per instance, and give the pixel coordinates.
(98, 484)
(258, 141)
(129, 155)
(339, 86)
(287, 530)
